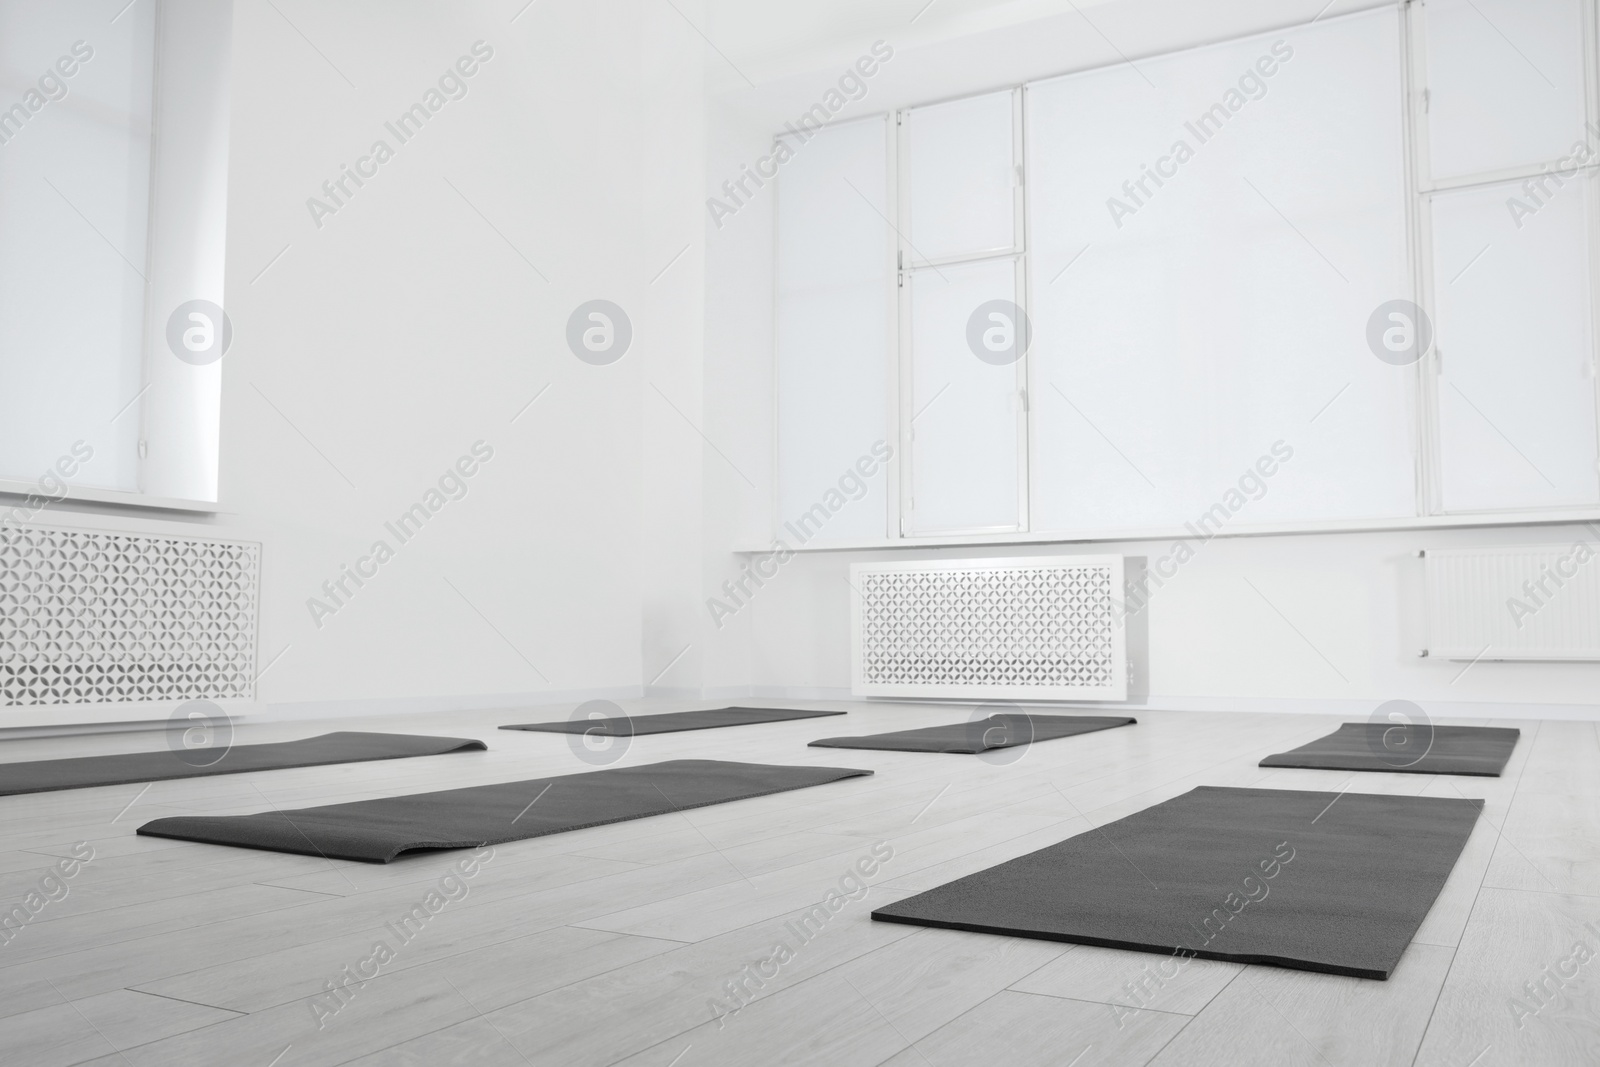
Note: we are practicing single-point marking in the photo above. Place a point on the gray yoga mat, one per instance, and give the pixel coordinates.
(376, 831)
(969, 738)
(1309, 880)
(1411, 748)
(82, 772)
(671, 721)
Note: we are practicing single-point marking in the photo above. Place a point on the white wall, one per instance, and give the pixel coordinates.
(738, 387)
(406, 328)
(372, 351)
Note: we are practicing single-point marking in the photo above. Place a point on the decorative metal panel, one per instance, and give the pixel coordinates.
(1518, 602)
(1022, 629)
(98, 617)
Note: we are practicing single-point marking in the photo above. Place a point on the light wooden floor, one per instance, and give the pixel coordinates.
(607, 945)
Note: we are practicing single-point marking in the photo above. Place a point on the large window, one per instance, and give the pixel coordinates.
(76, 106)
(113, 199)
(1341, 272)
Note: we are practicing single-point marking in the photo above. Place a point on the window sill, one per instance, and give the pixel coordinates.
(79, 494)
(1172, 533)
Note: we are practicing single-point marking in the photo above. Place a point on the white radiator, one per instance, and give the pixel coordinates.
(1040, 628)
(93, 617)
(1521, 602)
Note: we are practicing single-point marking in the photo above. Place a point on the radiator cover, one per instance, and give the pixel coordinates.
(106, 617)
(1041, 628)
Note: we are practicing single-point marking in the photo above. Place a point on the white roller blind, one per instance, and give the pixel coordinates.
(960, 178)
(965, 411)
(1505, 83)
(965, 331)
(834, 301)
(74, 215)
(1207, 248)
(1516, 391)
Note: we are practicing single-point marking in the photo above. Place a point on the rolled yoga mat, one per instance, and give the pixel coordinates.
(671, 722)
(82, 772)
(981, 735)
(376, 831)
(1309, 880)
(1416, 749)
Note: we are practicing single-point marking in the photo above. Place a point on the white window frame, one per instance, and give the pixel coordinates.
(1424, 187)
(908, 263)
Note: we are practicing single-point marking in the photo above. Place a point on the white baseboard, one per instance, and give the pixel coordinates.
(58, 720)
(46, 721)
(1359, 710)
(343, 709)
(776, 692)
(1355, 710)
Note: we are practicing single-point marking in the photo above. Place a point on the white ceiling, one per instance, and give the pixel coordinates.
(768, 39)
(767, 60)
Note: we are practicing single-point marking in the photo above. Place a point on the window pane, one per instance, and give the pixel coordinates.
(74, 196)
(960, 182)
(834, 301)
(1505, 82)
(1516, 396)
(965, 410)
(1207, 253)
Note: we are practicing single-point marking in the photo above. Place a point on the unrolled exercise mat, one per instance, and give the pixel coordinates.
(1328, 882)
(81, 772)
(376, 831)
(670, 722)
(1417, 749)
(981, 735)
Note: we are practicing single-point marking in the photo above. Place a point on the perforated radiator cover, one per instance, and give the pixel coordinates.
(1030, 629)
(95, 617)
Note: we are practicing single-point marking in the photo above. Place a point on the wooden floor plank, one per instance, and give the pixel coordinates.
(1274, 1017)
(1130, 982)
(67, 1033)
(1027, 1030)
(1519, 990)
